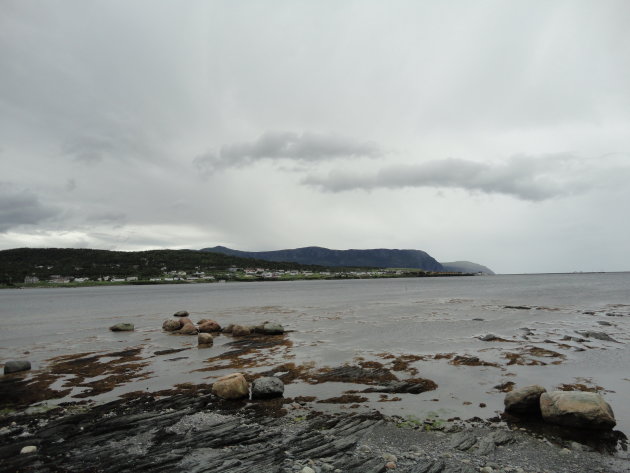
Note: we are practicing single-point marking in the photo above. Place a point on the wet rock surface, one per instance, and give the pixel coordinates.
(267, 387)
(597, 335)
(171, 325)
(231, 386)
(198, 433)
(524, 400)
(122, 327)
(15, 366)
(205, 339)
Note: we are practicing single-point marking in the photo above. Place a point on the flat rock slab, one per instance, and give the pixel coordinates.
(597, 335)
(463, 440)
(185, 433)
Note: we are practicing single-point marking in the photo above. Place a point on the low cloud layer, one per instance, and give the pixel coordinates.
(21, 207)
(305, 147)
(523, 177)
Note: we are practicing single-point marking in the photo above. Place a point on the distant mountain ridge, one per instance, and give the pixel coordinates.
(375, 258)
(466, 267)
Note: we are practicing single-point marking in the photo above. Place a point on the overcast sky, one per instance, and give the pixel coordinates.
(491, 131)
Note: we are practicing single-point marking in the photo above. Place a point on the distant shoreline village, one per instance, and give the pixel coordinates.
(232, 275)
(52, 267)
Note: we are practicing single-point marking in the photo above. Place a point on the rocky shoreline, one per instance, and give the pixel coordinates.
(198, 432)
(253, 424)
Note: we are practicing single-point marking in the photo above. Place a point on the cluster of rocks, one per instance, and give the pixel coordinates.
(577, 409)
(235, 386)
(204, 328)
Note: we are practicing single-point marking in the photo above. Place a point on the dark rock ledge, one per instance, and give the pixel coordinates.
(195, 432)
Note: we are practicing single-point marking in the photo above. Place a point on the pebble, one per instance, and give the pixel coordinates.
(28, 449)
(388, 457)
(486, 469)
(390, 465)
(365, 449)
(565, 451)
(307, 469)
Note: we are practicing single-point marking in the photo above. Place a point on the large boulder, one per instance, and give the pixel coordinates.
(188, 329)
(240, 331)
(524, 401)
(205, 339)
(209, 326)
(184, 321)
(272, 328)
(579, 409)
(181, 313)
(171, 325)
(266, 387)
(232, 386)
(13, 366)
(122, 327)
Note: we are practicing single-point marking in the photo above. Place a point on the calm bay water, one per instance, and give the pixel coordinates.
(337, 322)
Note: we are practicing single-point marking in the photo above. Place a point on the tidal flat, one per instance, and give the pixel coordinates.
(415, 361)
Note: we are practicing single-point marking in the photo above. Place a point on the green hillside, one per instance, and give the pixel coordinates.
(42, 263)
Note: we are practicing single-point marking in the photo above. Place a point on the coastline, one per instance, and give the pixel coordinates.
(407, 274)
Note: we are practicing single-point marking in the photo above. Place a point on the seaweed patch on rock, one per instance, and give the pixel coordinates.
(250, 352)
(344, 399)
(468, 360)
(530, 356)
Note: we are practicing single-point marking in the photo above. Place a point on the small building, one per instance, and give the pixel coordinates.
(31, 280)
(57, 278)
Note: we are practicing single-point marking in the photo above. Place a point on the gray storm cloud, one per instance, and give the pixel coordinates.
(130, 125)
(21, 207)
(523, 177)
(305, 147)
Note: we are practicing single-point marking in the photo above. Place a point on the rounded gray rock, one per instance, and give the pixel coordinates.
(122, 327)
(266, 387)
(272, 329)
(15, 366)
